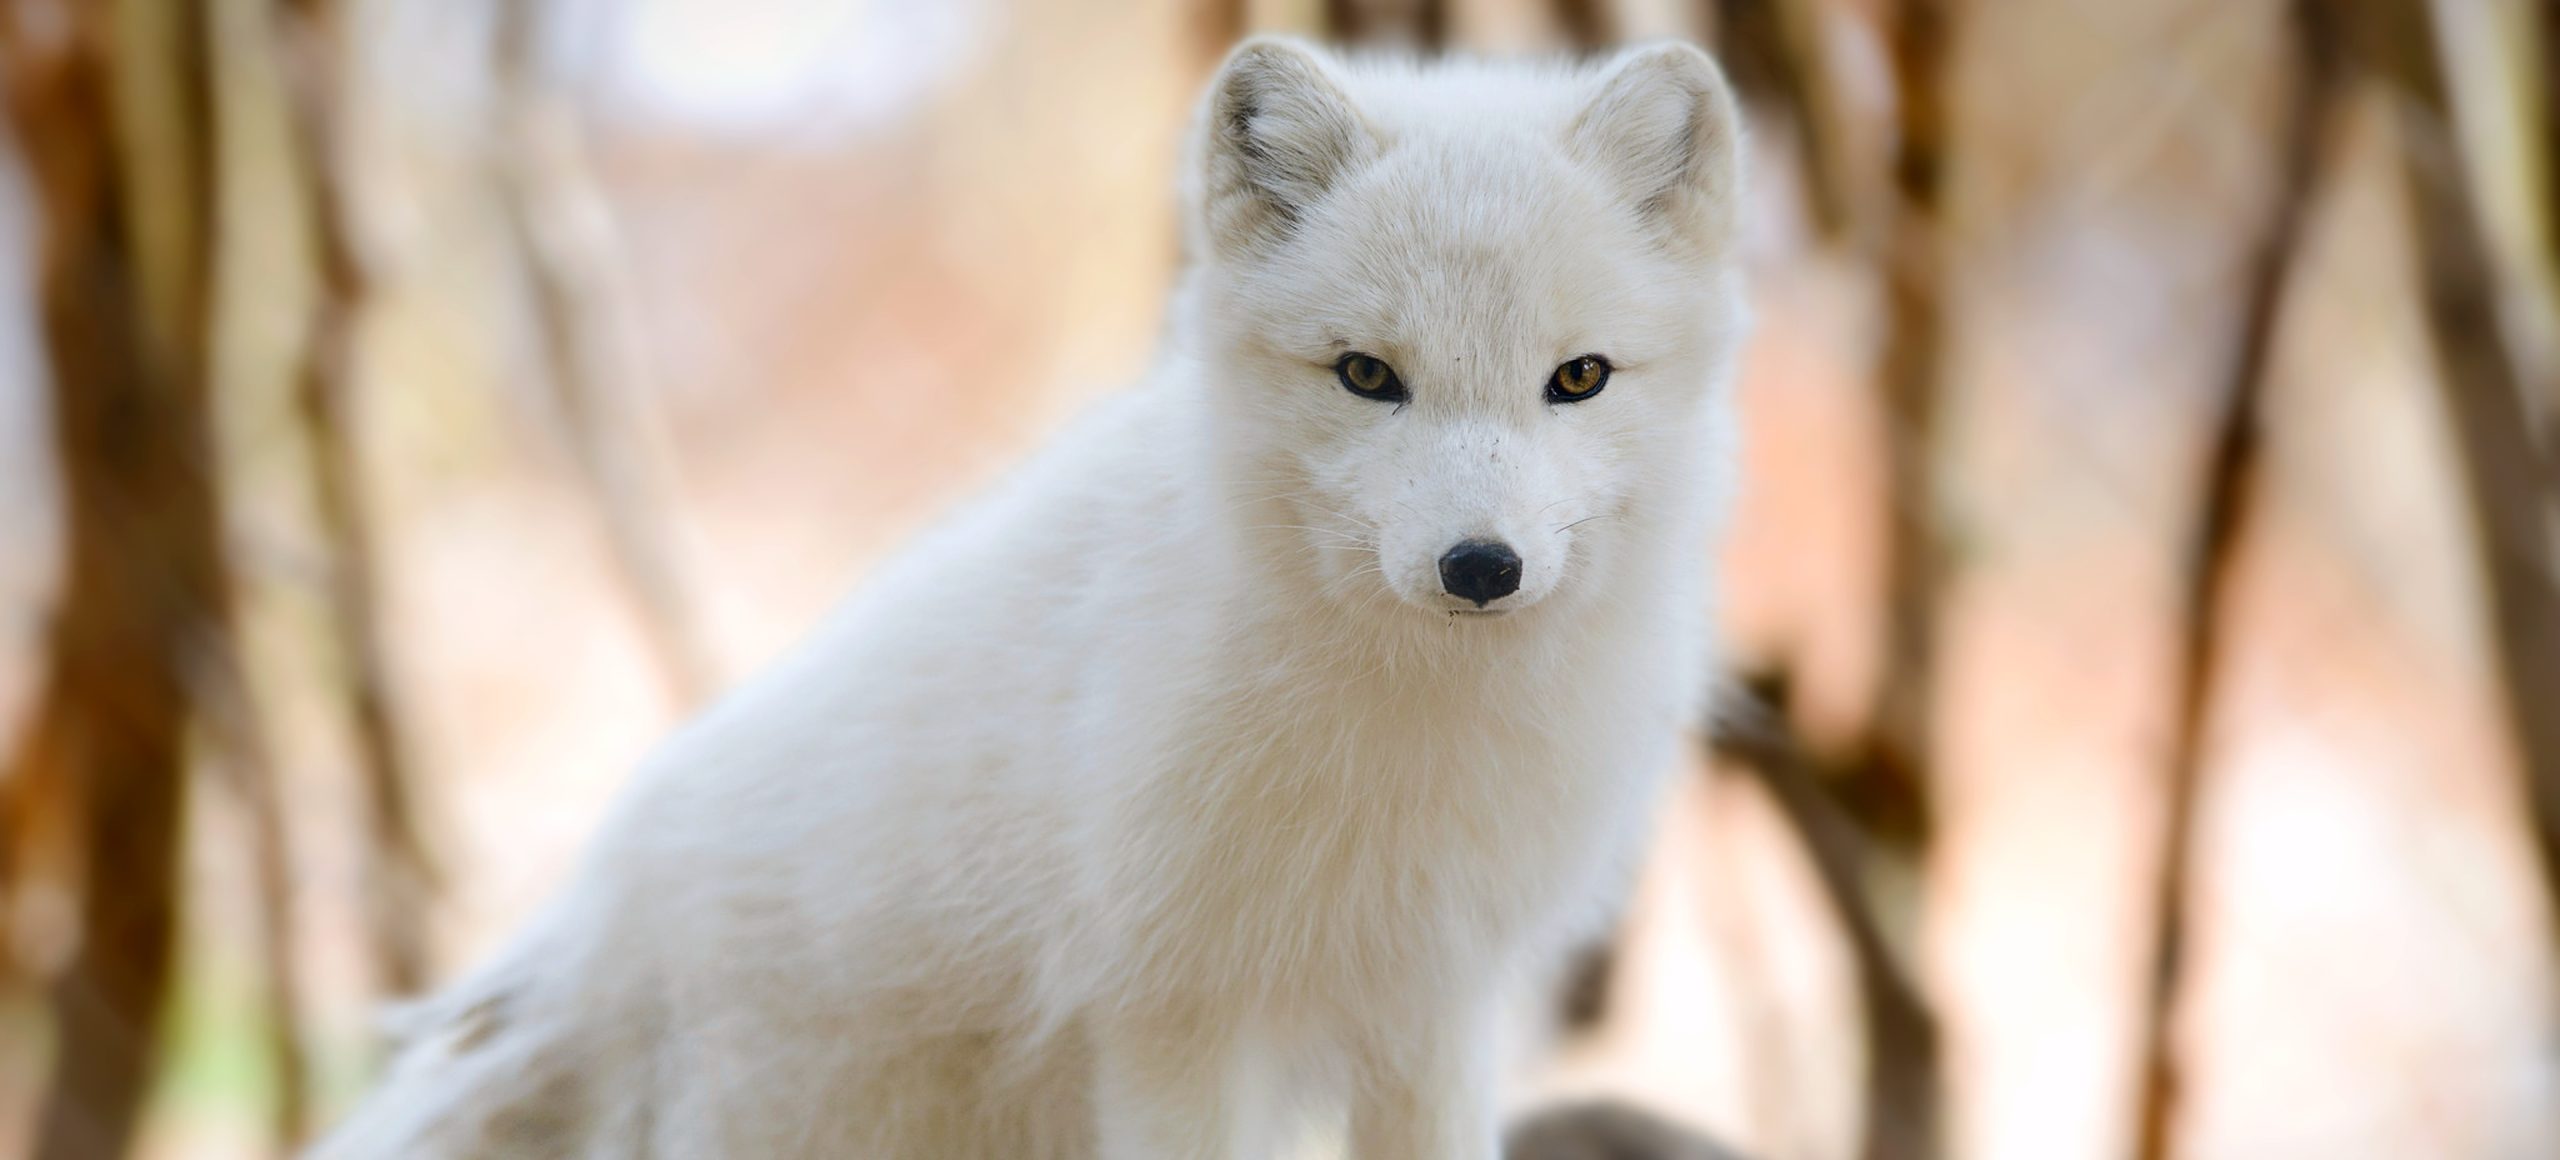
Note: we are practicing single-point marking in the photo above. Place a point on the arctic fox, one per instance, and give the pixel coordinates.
(1222, 767)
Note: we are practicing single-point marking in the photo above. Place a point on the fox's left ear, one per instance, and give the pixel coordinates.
(1664, 126)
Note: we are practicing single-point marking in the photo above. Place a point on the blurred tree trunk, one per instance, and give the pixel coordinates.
(1422, 24)
(563, 233)
(1886, 785)
(2211, 567)
(399, 874)
(2545, 30)
(1880, 820)
(109, 102)
(1219, 24)
(2541, 23)
(1777, 48)
(2512, 485)
(1917, 288)
(1588, 25)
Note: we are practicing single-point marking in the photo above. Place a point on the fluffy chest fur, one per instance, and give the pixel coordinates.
(1324, 821)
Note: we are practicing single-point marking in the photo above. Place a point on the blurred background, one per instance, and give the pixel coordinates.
(2146, 731)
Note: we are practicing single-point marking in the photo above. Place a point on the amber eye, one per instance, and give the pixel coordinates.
(1370, 378)
(1578, 380)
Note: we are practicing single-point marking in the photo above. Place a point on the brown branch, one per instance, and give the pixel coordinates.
(2212, 558)
(563, 235)
(1882, 777)
(1902, 1083)
(2534, 90)
(1605, 1130)
(1421, 24)
(126, 245)
(2544, 25)
(1917, 289)
(1815, 95)
(2511, 484)
(399, 872)
(1583, 1000)
(2506, 122)
(1883, 784)
(1217, 25)
(1587, 25)
(1775, 47)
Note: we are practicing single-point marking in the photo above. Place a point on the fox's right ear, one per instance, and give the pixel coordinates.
(1279, 132)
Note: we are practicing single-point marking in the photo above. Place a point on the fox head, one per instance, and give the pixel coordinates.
(1465, 327)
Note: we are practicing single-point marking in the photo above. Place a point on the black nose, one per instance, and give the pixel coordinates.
(1480, 570)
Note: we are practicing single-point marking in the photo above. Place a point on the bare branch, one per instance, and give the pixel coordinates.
(2211, 566)
(2511, 481)
(1917, 291)
(1777, 47)
(1605, 1129)
(1902, 1082)
(564, 236)
(399, 872)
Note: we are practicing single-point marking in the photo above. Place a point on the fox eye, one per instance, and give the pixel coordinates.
(1370, 378)
(1578, 380)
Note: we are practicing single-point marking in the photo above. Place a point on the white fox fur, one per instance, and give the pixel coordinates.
(1162, 797)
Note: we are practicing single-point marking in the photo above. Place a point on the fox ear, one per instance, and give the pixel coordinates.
(1280, 132)
(1664, 128)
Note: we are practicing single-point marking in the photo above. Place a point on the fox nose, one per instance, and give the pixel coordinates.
(1480, 570)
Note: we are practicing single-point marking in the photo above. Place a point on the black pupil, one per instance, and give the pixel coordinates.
(1578, 375)
(1368, 375)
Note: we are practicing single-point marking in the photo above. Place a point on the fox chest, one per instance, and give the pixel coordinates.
(1333, 850)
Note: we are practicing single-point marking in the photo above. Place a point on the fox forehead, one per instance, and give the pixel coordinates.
(1440, 254)
(1401, 95)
